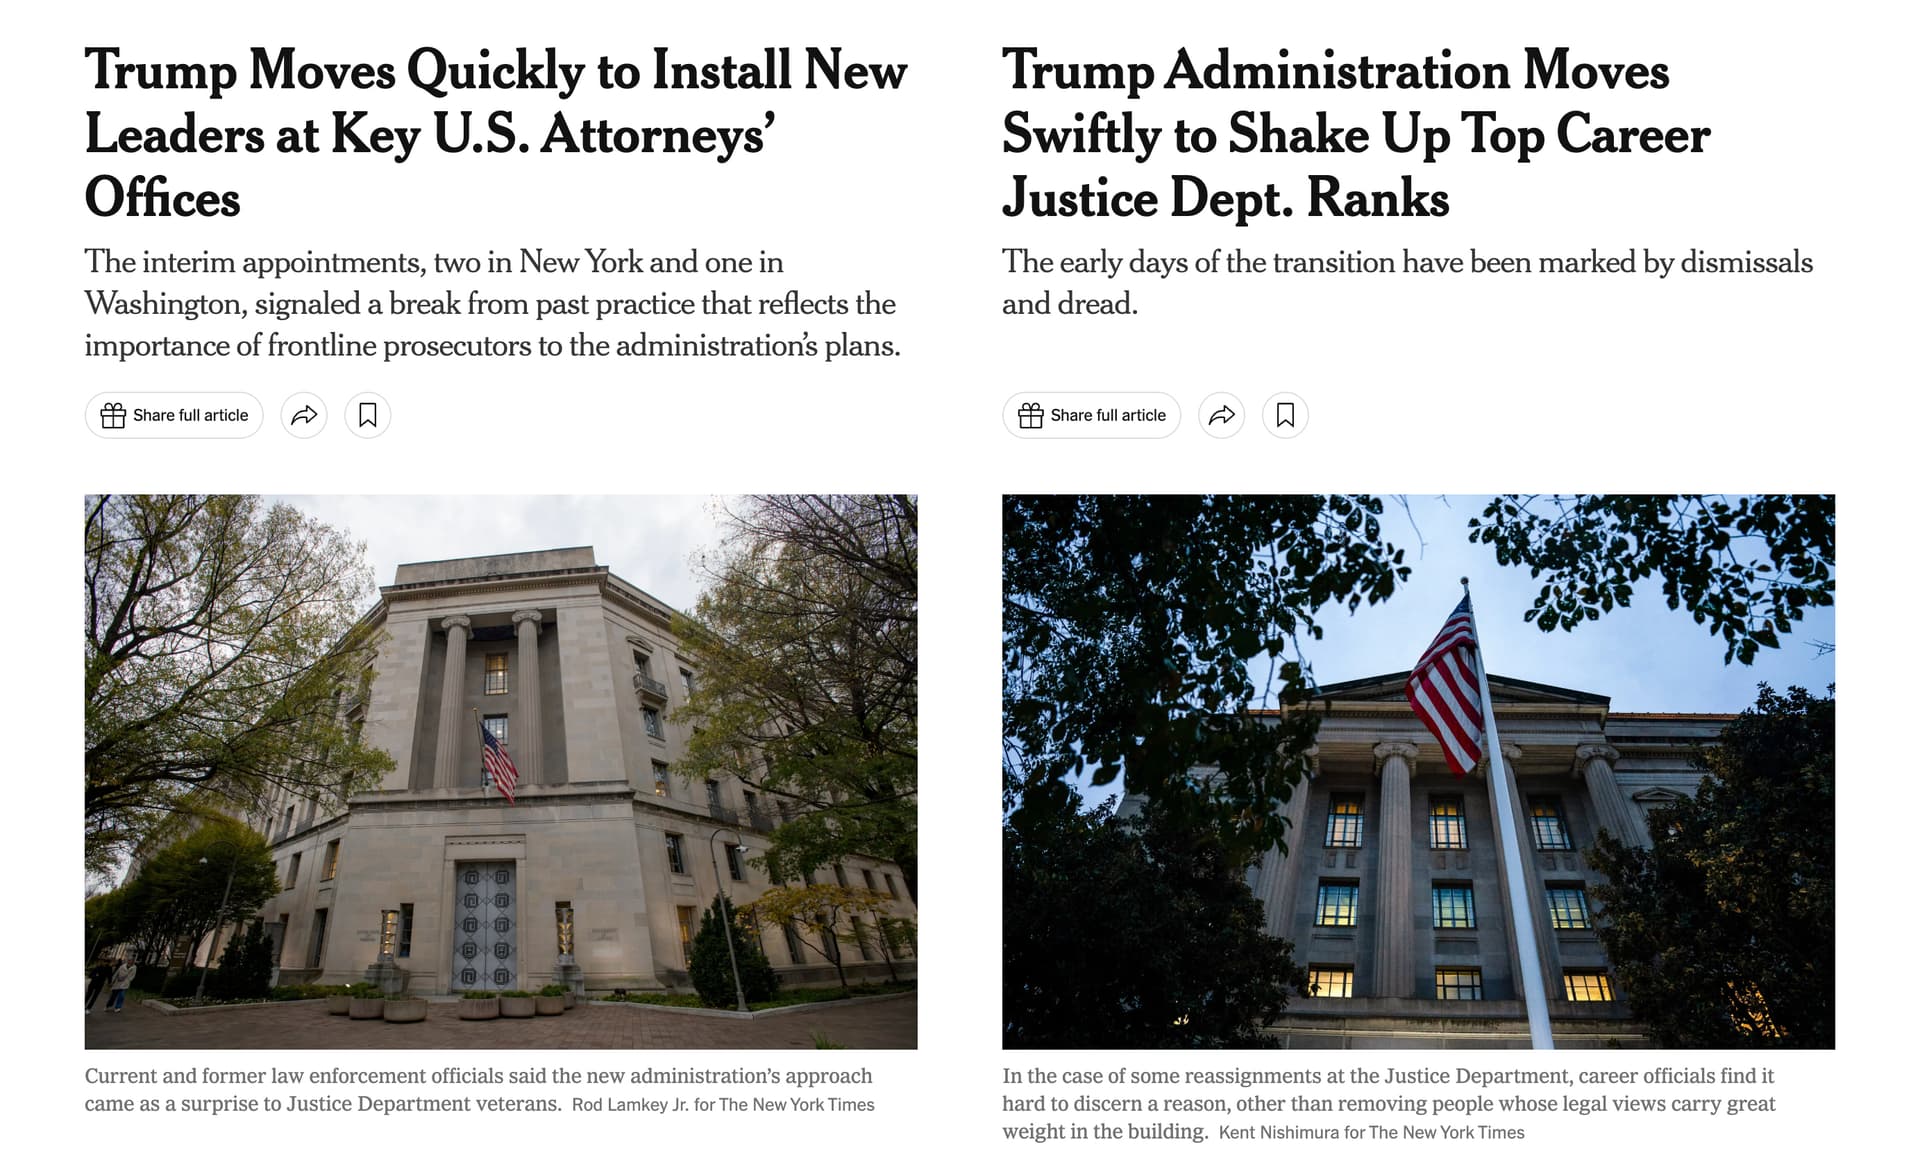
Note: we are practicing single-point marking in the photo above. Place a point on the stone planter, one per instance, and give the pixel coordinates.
(366, 1008)
(572, 999)
(516, 1006)
(479, 1009)
(550, 1006)
(337, 1004)
(407, 1009)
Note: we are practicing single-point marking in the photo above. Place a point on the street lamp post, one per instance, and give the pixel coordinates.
(219, 919)
(726, 927)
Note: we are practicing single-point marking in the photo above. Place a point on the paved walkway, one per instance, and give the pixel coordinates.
(304, 1025)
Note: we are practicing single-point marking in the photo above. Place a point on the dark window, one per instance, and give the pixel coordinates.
(497, 674)
(1456, 984)
(1329, 980)
(868, 876)
(1549, 829)
(860, 938)
(713, 792)
(1344, 821)
(497, 725)
(317, 949)
(891, 889)
(293, 871)
(840, 874)
(650, 717)
(733, 863)
(1447, 825)
(1453, 905)
(406, 931)
(796, 951)
(686, 680)
(1338, 904)
(1567, 903)
(676, 856)
(331, 866)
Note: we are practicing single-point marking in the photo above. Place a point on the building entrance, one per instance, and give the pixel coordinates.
(485, 922)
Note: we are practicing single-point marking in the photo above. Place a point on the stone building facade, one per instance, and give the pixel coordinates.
(607, 849)
(1391, 885)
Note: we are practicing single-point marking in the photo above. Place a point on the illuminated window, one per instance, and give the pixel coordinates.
(1447, 825)
(660, 779)
(497, 674)
(1588, 986)
(686, 934)
(1453, 905)
(1549, 829)
(650, 718)
(1567, 904)
(1344, 821)
(1329, 980)
(331, 866)
(1456, 984)
(676, 855)
(497, 725)
(1339, 901)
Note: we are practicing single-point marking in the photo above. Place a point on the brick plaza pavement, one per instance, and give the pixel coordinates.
(305, 1025)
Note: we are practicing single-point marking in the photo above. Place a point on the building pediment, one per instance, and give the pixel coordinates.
(1506, 690)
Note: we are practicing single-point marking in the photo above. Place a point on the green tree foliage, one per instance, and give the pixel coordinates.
(806, 652)
(1133, 933)
(709, 967)
(221, 651)
(246, 966)
(1746, 567)
(1127, 626)
(832, 911)
(176, 893)
(1723, 932)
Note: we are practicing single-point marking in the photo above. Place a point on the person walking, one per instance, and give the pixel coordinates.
(122, 977)
(97, 978)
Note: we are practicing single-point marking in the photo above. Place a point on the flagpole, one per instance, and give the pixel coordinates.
(1519, 896)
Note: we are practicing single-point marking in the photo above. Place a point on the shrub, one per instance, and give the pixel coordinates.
(713, 975)
(364, 989)
(479, 994)
(246, 966)
(553, 990)
(516, 993)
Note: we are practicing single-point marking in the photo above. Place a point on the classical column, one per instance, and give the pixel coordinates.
(1595, 763)
(526, 730)
(1536, 889)
(1393, 906)
(456, 729)
(1280, 871)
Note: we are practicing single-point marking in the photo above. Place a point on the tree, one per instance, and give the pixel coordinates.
(1127, 626)
(1133, 933)
(219, 873)
(1745, 567)
(1723, 932)
(712, 970)
(246, 965)
(806, 648)
(829, 909)
(221, 648)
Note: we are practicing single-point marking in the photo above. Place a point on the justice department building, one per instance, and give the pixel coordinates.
(1391, 886)
(607, 857)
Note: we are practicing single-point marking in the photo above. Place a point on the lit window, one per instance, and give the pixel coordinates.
(1568, 906)
(293, 871)
(1549, 829)
(1344, 821)
(1456, 984)
(1329, 980)
(1447, 825)
(660, 778)
(497, 725)
(650, 717)
(1588, 986)
(676, 856)
(331, 866)
(1339, 902)
(1453, 905)
(686, 934)
(497, 674)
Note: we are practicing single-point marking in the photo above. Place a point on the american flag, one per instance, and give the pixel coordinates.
(1444, 690)
(498, 765)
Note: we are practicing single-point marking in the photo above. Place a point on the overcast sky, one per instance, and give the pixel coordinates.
(647, 540)
(1646, 658)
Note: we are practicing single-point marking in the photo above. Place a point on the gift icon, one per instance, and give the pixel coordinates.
(113, 417)
(1031, 417)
